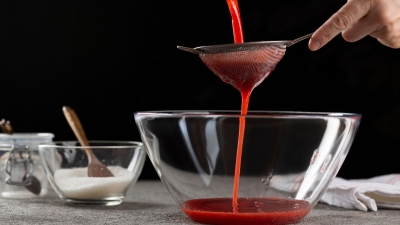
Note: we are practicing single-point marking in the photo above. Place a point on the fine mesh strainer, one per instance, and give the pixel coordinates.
(245, 65)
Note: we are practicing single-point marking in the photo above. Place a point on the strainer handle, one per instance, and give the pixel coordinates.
(300, 39)
(191, 50)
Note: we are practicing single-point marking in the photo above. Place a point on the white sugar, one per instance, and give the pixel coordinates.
(75, 183)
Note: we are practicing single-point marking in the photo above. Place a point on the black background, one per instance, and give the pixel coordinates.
(109, 59)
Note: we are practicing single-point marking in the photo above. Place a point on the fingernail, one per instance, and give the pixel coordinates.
(314, 45)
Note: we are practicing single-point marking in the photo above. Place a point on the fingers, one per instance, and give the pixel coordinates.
(360, 29)
(387, 17)
(343, 19)
(388, 38)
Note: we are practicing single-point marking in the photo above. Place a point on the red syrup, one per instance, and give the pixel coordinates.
(244, 71)
(238, 38)
(271, 211)
(236, 21)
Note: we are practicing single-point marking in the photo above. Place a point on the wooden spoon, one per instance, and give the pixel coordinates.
(35, 186)
(95, 167)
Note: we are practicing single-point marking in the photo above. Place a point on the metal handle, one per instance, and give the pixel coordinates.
(191, 50)
(28, 163)
(300, 39)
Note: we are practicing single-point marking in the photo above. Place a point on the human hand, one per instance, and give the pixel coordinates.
(358, 18)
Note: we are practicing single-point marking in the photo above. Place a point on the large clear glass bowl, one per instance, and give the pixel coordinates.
(288, 160)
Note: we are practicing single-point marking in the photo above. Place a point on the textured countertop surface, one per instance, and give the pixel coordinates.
(148, 202)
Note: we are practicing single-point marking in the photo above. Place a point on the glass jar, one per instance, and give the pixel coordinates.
(21, 171)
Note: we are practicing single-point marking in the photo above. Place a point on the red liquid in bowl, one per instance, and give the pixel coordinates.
(250, 211)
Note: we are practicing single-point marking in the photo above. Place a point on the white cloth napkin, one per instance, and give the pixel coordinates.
(362, 194)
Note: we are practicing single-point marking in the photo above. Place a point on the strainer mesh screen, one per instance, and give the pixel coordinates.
(244, 69)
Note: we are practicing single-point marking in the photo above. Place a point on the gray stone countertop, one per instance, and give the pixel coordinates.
(148, 202)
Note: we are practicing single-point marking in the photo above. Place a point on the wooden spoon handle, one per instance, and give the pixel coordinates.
(95, 167)
(75, 125)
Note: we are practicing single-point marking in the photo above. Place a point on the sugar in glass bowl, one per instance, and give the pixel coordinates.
(66, 166)
(288, 159)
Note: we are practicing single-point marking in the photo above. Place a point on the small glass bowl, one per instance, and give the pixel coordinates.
(66, 164)
(287, 161)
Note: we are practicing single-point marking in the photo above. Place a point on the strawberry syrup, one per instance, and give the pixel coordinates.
(245, 94)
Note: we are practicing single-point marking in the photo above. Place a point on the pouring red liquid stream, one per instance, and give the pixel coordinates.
(236, 21)
(243, 210)
(245, 94)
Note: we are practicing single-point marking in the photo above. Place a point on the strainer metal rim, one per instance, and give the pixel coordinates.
(245, 45)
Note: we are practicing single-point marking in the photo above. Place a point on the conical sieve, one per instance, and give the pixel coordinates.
(245, 65)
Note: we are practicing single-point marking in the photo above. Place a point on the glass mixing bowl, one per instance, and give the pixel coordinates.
(288, 160)
(66, 167)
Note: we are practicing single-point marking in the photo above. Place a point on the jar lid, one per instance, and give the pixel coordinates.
(29, 139)
(31, 136)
